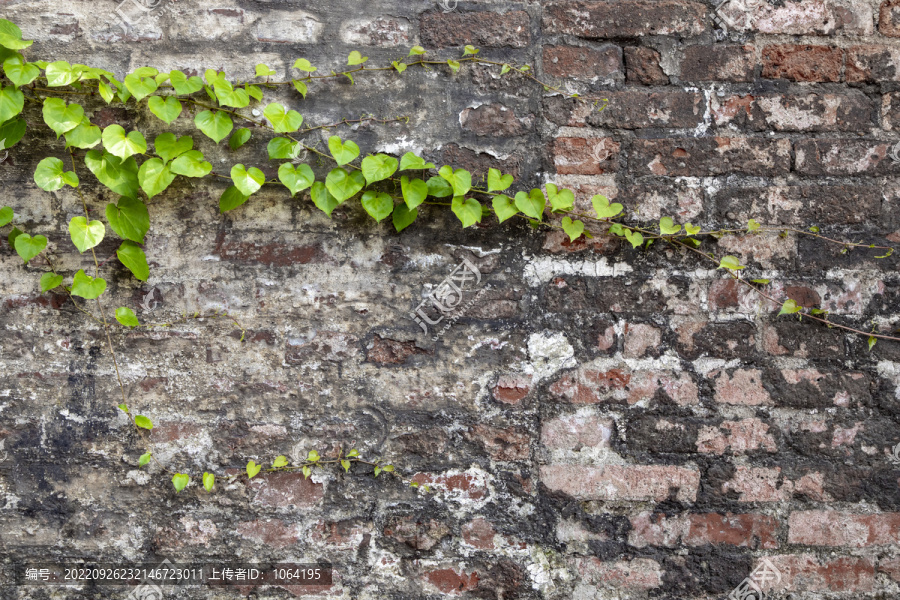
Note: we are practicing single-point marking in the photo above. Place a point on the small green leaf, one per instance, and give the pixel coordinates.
(762, 281)
(731, 262)
(470, 50)
(283, 148)
(180, 481)
(254, 92)
(168, 148)
(304, 65)
(532, 203)
(306, 472)
(126, 317)
(215, 125)
(414, 191)
(313, 456)
(459, 179)
(378, 204)
(209, 480)
(191, 164)
(264, 71)
(752, 226)
(11, 36)
(572, 229)
(183, 85)
(789, 307)
(143, 422)
(50, 281)
(84, 136)
(144, 459)
(132, 256)
(247, 181)
(814, 229)
(603, 208)
(356, 58)
(504, 207)
(416, 51)
(129, 219)
(12, 132)
(411, 161)
(239, 138)
(6, 215)
(167, 109)
(118, 144)
(86, 235)
(85, 286)
(50, 175)
(454, 65)
(283, 122)
(300, 87)
(378, 167)
(388, 468)
(280, 461)
(343, 152)
(377, 471)
(668, 227)
(872, 341)
(403, 216)
(399, 66)
(231, 199)
(691, 229)
(155, 176)
(140, 87)
(505, 69)
(634, 238)
(343, 184)
(497, 182)
(60, 73)
(296, 179)
(253, 469)
(346, 463)
(27, 247)
(560, 200)
(322, 198)
(468, 210)
(439, 188)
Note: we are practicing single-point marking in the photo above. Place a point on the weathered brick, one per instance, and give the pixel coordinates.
(502, 443)
(511, 389)
(745, 530)
(580, 62)
(495, 120)
(889, 18)
(479, 533)
(639, 338)
(739, 437)
(844, 157)
(384, 32)
(731, 339)
(297, 28)
(840, 529)
(744, 386)
(274, 533)
(763, 484)
(698, 157)
(627, 18)
(639, 109)
(809, 573)
(635, 574)
(805, 17)
(801, 204)
(802, 63)
(585, 156)
(622, 482)
(780, 112)
(575, 431)
(718, 63)
(590, 386)
(478, 28)
(452, 581)
(285, 489)
(642, 66)
(417, 533)
(872, 64)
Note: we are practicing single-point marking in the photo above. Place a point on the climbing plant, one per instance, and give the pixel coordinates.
(387, 186)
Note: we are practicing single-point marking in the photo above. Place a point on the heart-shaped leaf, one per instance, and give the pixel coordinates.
(143, 422)
(180, 481)
(247, 181)
(752, 226)
(20, 72)
(129, 218)
(572, 229)
(86, 235)
(343, 184)
(691, 229)
(50, 281)
(209, 480)
(414, 191)
(28, 247)
(11, 103)
(283, 122)
(504, 207)
(343, 152)
(126, 317)
(121, 176)
(790, 307)
(155, 176)
(603, 208)
(228, 95)
(239, 138)
(87, 287)
(145, 458)
(412, 161)
(184, 85)
(731, 262)
(12, 131)
(467, 209)
(168, 148)
(300, 87)
(264, 71)
(231, 199)
(6, 215)
(497, 182)
(61, 117)
(11, 36)
(304, 65)
(84, 136)
(167, 108)
(668, 227)
(377, 204)
(532, 203)
(438, 187)
(322, 198)
(634, 238)
(403, 216)
(399, 66)
(253, 469)
(378, 167)
(118, 144)
(191, 164)
(132, 256)
(453, 64)
(416, 51)
(51, 176)
(215, 125)
(60, 73)
(356, 58)
(140, 87)
(280, 461)
(284, 148)
(459, 179)
(296, 179)
(560, 200)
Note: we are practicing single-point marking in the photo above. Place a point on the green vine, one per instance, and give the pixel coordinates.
(109, 155)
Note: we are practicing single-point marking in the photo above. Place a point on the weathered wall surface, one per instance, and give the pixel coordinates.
(603, 423)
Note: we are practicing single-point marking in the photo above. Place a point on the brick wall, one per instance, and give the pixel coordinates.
(602, 423)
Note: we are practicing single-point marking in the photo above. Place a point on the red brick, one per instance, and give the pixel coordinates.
(272, 254)
(507, 444)
(808, 573)
(579, 62)
(626, 18)
(872, 63)
(570, 432)
(747, 530)
(718, 63)
(450, 581)
(463, 486)
(889, 18)
(585, 156)
(744, 386)
(274, 533)
(479, 533)
(639, 338)
(739, 437)
(851, 111)
(348, 534)
(802, 62)
(698, 157)
(385, 351)
(642, 66)
(761, 484)
(656, 529)
(285, 489)
(840, 529)
(622, 482)
(418, 534)
(478, 28)
(511, 389)
(635, 574)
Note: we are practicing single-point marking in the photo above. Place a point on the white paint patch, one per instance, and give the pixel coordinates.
(539, 271)
(549, 352)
